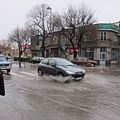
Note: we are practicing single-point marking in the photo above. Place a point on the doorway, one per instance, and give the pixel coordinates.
(102, 56)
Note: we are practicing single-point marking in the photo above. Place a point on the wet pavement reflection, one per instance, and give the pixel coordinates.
(30, 97)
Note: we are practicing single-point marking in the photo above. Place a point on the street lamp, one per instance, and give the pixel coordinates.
(50, 9)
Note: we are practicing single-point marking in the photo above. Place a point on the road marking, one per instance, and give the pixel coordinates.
(22, 74)
(17, 75)
(31, 74)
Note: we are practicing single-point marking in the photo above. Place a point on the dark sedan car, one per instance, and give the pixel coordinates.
(60, 67)
(36, 59)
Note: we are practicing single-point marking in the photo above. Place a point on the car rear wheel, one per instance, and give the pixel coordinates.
(40, 73)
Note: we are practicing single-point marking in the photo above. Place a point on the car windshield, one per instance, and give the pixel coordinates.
(34, 58)
(64, 62)
(2, 58)
(37, 57)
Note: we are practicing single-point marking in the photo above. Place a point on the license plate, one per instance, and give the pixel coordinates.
(79, 78)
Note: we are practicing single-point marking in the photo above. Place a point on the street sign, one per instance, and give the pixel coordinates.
(40, 37)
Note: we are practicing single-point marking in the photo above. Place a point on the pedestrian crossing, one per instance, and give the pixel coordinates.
(31, 74)
(24, 74)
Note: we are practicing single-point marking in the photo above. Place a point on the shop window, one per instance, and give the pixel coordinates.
(114, 55)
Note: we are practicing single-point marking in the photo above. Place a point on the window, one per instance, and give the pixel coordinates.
(63, 39)
(2, 58)
(40, 43)
(37, 42)
(102, 49)
(89, 36)
(55, 39)
(84, 38)
(45, 61)
(47, 41)
(115, 38)
(103, 36)
(52, 62)
(114, 55)
(75, 39)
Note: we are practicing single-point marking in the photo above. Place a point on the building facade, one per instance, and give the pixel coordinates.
(108, 45)
(103, 45)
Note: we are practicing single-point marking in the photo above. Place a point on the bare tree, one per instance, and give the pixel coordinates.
(5, 46)
(38, 20)
(73, 22)
(22, 38)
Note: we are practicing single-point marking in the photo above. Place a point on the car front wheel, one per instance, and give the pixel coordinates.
(60, 75)
(8, 70)
(40, 73)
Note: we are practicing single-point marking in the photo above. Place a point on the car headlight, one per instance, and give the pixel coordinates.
(69, 72)
(10, 64)
(83, 71)
(96, 63)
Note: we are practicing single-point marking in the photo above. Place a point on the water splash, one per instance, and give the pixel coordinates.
(60, 79)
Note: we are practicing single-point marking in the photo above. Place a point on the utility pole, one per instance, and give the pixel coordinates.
(50, 9)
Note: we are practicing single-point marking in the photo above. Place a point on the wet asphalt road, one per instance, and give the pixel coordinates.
(30, 97)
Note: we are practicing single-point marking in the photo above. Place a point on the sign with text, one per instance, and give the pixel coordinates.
(40, 37)
(108, 26)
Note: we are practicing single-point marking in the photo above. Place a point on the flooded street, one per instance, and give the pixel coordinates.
(30, 97)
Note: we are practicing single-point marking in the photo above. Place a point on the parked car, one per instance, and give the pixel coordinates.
(36, 59)
(5, 64)
(84, 61)
(60, 67)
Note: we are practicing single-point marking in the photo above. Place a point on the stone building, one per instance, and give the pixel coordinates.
(105, 47)
(102, 45)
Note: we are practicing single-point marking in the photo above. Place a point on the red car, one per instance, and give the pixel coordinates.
(84, 61)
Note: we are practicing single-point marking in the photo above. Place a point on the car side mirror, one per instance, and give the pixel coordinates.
(53, 65)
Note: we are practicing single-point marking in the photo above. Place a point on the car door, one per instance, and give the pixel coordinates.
(75, 61)
(79, 61)
(44, 66)
(84, 61)
(52, 67)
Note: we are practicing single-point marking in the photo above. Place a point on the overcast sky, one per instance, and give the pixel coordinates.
(13, 12)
